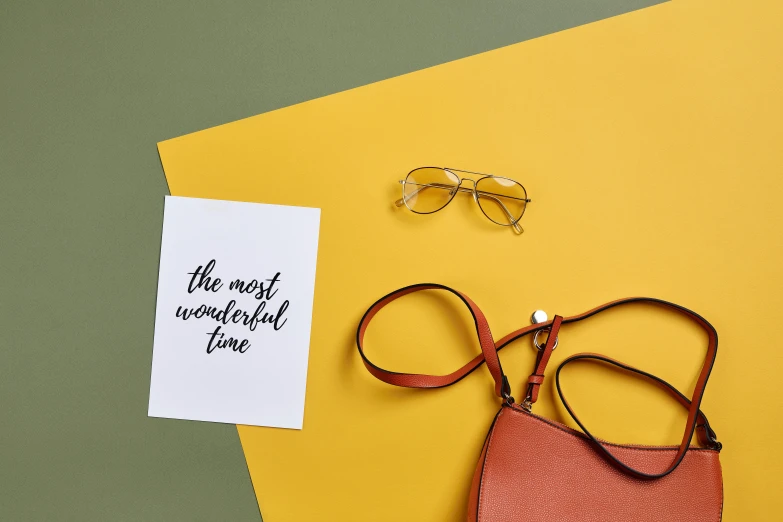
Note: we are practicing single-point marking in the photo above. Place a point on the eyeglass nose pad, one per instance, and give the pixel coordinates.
(475, 193)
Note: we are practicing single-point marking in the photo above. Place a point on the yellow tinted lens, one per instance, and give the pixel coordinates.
(502, 200)
(429, 189)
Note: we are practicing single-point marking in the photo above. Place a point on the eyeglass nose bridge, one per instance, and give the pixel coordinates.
(460, 188)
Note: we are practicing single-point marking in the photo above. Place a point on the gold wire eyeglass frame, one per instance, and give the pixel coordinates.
(453, 189)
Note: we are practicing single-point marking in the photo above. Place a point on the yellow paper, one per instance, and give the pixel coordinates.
(650, 144)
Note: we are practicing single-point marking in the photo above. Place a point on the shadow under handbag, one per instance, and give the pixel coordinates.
(535, 469)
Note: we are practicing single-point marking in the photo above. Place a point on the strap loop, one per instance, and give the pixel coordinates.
(542, 359)
(488, 351)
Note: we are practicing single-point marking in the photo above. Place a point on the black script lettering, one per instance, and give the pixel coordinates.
(222, 315)
(221, 342)
(184, 313)
(204, 281)
(269, 293)
(242, 287)
(254, 287)
(212, 339)
(201, 311)
(283, 307)
(253, 320)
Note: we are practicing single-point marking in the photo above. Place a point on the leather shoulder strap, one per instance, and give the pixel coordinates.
(695, 402)
(697, 421)
(702, 426)
(411, 380)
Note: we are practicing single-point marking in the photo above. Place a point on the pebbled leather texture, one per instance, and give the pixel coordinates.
(532, 469)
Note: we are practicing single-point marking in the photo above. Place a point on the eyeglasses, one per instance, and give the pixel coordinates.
(428, 189)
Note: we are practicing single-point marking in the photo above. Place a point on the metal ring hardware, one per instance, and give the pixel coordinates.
(541, 347)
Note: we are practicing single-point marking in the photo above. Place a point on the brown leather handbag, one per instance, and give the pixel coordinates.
(534, 469)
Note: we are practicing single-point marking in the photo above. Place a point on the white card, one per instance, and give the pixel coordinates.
(235, 301)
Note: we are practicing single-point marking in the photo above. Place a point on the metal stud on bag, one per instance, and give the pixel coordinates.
(538, 317)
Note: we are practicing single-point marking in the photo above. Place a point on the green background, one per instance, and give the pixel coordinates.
(87, 89)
